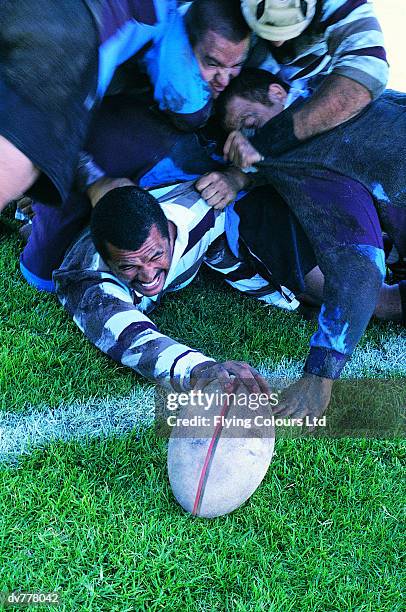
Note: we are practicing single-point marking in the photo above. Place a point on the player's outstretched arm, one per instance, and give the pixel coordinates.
(111, 317)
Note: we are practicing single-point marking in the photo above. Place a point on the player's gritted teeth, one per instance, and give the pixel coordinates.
(151, 287)
(145, 270)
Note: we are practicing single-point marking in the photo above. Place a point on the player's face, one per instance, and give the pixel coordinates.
(246, 115)
(146, 269)
(220, 60)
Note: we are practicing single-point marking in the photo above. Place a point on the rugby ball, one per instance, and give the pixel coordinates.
(215, 465)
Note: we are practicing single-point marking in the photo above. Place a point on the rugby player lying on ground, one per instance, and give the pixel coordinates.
(281, 256)
(328, 190)
(110, 295)
(135, 252)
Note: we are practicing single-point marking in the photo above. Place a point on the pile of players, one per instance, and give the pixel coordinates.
(272, 119)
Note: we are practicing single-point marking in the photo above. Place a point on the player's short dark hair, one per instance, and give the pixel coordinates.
(251, 84)
(124, 218)
(224, 17)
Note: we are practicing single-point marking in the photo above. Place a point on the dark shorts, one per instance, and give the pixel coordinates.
(272, 234)
(53, 230)
(48, 81)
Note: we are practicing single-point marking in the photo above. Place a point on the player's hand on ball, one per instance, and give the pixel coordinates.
(309, 396)
(231, 375)
(239, 151)
(220, 188)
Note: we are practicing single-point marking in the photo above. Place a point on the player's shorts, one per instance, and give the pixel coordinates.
(48, 82)
(273, 236)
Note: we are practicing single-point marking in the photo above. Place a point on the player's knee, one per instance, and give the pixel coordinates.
(17, 172)
(374, 261)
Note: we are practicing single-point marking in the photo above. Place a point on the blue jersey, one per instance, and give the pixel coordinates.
(172, 67)
(125, 28)
(154, 31)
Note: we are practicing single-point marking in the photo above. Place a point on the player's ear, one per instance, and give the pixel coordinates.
(276, 93)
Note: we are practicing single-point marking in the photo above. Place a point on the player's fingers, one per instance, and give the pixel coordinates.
(216, 202)
(227, 144)
(204, 181)
(218, 373)
(284, 408)
(221, 205)
(232, 143)
(226, 380)
(244, 376)
(262, 382)
(239, 155)
(300, 412)
(209, 191)
(235, 156)
(217, 198)
(246, 157)
(204, 382)
(206, 377)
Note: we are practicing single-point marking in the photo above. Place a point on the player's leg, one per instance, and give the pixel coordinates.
(17, 172)
(52, 231)
(48, 76)
(388, 308)
(270, 231)
(341, 223)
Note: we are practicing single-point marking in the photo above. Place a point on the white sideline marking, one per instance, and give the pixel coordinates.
(21, 433)
(366, 362)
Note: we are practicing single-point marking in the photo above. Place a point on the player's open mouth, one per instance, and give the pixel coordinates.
(153, 285)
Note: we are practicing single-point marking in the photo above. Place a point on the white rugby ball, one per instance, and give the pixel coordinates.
(215, 466)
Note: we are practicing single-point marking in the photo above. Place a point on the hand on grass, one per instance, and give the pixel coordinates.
(309, 396)
(231, 375)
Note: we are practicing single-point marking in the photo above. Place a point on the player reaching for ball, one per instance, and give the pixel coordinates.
(136, 251)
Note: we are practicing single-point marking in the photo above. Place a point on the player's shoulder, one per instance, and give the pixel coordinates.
(332, 11)
(82, 255)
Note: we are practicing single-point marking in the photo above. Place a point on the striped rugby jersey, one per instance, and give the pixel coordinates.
(114, 317)
(344, 39)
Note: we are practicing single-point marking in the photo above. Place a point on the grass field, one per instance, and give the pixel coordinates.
(85, 505)
(86, 508)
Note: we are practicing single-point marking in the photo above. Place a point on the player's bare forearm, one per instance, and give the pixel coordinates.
(337, 100)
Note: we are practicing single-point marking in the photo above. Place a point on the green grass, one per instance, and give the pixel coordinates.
(48, 359)
(98, 523)
(96, 520)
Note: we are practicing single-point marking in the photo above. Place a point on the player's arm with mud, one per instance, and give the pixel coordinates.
(359, 75)
(346, 236)
(108, 313)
